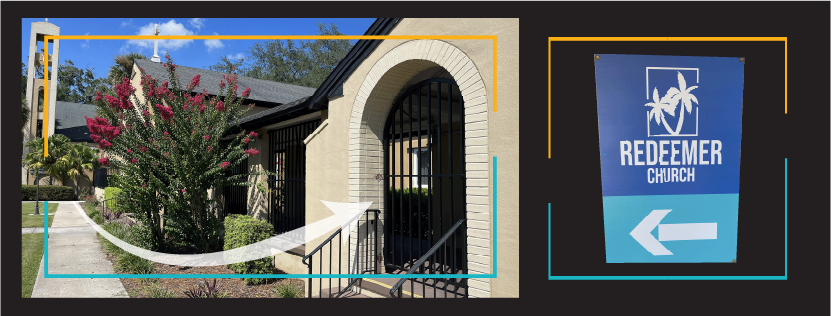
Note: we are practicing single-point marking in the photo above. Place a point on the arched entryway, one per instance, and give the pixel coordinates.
(398, 71)
(424, 174)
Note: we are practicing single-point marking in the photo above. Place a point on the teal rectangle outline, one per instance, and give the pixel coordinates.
(48, 275)
(677, 277)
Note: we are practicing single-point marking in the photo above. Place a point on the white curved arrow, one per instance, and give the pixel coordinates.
(643, 233)
(345, 215)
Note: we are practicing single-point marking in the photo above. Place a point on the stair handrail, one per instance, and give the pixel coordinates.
(423, 258)
(305, 258)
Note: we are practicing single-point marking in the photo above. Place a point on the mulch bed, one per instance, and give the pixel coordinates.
(233, 288)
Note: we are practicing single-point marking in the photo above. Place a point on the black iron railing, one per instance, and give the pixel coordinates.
(107, 211)
(440, 259)
(360, 260)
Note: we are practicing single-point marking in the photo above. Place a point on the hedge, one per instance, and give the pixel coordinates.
(405, 197)
(48, 193)
(242, 230)
(109, 193)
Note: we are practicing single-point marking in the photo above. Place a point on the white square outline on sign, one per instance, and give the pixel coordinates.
(648, 134)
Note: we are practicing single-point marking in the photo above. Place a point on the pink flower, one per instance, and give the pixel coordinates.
(206, 137)
(253, 134)
(143, 185)
(219, 106)
(165, 111)
(101, 126)
(97, 96)
(210, 149)
(246, 140)
(135, 160)
(95, 138)
(129, 151)
(194, 82)
(183, 190)
(104, 144)
(165, 132)
(104, 161)
(251, 152)
(224, 165)
(143, 149)
(166, 154)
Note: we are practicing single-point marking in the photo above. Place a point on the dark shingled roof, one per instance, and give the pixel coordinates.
(276, 109)
(261, 90)
(70, 122)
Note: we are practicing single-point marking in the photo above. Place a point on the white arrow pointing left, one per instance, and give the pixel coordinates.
(669, 232)
(643, 233)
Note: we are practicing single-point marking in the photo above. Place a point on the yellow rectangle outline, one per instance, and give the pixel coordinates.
(658, 39)
(48, 38)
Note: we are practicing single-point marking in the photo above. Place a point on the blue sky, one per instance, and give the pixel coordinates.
(99, 54)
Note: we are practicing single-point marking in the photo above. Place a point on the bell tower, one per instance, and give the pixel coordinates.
(35, 86)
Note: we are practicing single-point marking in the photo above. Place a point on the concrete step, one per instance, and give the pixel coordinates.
(351, 293)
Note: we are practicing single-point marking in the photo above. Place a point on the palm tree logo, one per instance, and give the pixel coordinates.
(659, 106)
(670, 101)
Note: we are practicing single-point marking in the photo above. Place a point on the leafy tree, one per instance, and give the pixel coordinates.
(168, 153)
(25, 110)
(306, 63)
(77, 85)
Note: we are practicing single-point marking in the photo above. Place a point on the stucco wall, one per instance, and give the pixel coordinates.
(498, 133)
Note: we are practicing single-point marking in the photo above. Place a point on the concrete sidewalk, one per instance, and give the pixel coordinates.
(74, 249)
(58, 230)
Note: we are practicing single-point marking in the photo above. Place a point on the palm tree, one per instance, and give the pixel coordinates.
(123, 67)
(58, 145)
(79, 157)
(659, 106)
(684, 96)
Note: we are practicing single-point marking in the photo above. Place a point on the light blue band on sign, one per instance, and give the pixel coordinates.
(694, 277)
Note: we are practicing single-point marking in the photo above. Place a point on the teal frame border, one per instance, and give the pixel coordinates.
(48, 275)
(677, 277)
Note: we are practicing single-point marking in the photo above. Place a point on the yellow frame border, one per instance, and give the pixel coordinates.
(658, 39)
(47, 38)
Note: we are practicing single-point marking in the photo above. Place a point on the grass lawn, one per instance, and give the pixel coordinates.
(32, 253)
(37, 221)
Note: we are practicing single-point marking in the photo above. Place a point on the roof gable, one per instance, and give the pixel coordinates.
(261, 90)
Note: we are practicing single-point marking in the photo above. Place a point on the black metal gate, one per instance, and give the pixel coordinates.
(236, 197)
(287, 158)
(425, 179)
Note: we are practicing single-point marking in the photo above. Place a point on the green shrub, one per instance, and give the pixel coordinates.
(96, 218)
(125, 261)
(157, 291)
(405, 196)
(241, 230)
(287, 290)
(111, 193)
(47, 193)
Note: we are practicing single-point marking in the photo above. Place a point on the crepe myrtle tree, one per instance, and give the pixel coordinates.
(168, 153)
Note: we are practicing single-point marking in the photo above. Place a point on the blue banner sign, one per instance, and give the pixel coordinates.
(670, 147)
